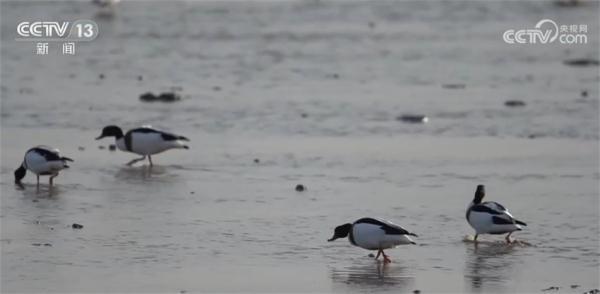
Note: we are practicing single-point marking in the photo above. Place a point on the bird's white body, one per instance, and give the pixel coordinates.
(148, 143)
(483, 221)
(39, 165)
(372, 237)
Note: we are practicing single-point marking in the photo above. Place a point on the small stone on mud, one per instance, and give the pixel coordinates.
(417, 291)
(454, 86)
(304, 115)
(371, 255)
(101, 76)
(552, 288)
(140, 78)
(77, 226)
(169, 97)
(574, 286)
(514, 103)
(216, 88)
(35, 200)
(48, 245)
(300, 188)
(413, 118)
(112, 147)
(80, 148)
(582, 62)
(148, 97)
(584, 93)
(256, 160)
(101, 147)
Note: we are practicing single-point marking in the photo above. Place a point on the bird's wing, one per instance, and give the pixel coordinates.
(49, 153)
(499, 213)
(164, 135)
(490, 208)
(388, 227)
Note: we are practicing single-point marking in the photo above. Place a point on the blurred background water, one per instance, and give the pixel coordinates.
(313, 90)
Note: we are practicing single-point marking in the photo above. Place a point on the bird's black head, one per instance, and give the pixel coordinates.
(111, 131)
(479, 194)
(341, 232)
(20, 174)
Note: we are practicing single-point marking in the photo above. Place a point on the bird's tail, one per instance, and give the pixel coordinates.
(412, 234)
(66, 159)
(518, 222)
(183, 138)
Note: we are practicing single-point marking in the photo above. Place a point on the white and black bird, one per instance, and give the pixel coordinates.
(42, 161)
(491, 217)
(374, 234)
(145, 141)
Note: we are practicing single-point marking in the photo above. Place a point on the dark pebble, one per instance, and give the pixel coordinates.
(567, 3)
(574, 286)
(148, 97)
(304, 115)
(216, 88)
(101, 147)
(47, 244)
(335, 76)
(169, 97)
(514, 103)
(454, 86)
(112, 147)
(300, 188)
(80, 148)
(256, 160)
(192, 192)
(77, 226)
(371, 25)
(140, 78)
(101, 76)
(413, 118)
(35, 200)
(417, 291)
(371, 255)
(582, 62)
(584, 93)
(553, 288)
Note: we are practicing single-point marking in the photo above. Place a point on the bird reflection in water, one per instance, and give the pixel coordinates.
(375, 275)
(144, 172)
(489, 266)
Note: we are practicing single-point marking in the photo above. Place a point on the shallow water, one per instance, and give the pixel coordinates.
(210, 219)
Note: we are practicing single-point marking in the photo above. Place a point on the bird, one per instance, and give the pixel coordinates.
(491, 217)
(374, 234)
(42, 161)
(145, 141)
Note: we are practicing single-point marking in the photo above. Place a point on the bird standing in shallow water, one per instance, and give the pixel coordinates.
(491, 217)
(374, 234)
(144, 141)
(42, 161)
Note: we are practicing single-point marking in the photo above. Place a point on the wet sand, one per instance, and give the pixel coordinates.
(210, 219)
